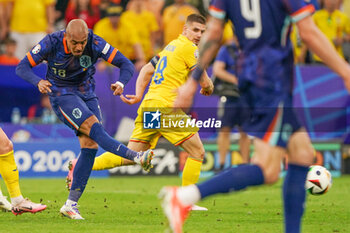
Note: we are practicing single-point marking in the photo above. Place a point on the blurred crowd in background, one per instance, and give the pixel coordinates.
(140, 28)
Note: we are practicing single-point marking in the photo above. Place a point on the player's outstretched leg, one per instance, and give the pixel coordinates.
(27, 206)
(174, 209)
(101, 137)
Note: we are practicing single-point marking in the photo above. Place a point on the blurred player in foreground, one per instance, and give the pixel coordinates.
(168, 71)
(9, 173)
(71, 55)
(265, 79)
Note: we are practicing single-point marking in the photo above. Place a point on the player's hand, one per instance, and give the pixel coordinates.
(208, 89)
(44, 86)
(117, 88)
(185, 95)
(130, 99)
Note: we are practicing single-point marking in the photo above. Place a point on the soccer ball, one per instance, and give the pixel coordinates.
(318, 181)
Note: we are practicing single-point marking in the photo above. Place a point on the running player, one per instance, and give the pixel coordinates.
(168, 71)
(9, 173)
(265, 79)
(71, 55)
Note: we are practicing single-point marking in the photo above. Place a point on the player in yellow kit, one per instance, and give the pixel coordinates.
(9, 172)
(168, 71)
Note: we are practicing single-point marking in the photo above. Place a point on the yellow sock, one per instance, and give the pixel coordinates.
(107, 161)
(9, 173)
(191, 172)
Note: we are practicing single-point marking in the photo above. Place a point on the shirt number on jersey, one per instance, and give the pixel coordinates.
(60, 72)
(158, 74)
(251, 11)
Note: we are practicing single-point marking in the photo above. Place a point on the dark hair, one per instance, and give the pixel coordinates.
(196, 18)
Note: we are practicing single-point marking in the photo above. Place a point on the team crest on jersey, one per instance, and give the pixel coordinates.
(85, 61)
(76, 113)
(36, 49)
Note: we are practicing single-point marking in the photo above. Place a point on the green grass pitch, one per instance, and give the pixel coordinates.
(130, 204)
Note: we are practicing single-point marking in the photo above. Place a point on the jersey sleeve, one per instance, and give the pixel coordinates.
(191, 56)
(217, 9)
(104, 49)
(298, 9)
(222, 54)
(40, 51)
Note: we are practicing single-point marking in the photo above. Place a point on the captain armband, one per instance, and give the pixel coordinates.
(154, 61)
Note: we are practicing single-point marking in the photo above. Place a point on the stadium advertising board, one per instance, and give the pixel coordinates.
(47, 159)
(328, 154)
(50, 159)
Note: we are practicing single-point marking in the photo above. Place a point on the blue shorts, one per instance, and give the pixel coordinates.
(233, 112)
(74, 108)
(273, 124)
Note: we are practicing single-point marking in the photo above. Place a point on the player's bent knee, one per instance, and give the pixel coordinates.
(86, 142)
(87, 124)
(271, 173)
(303, 157)
(6, 147)
(271, 177)
(198, 153)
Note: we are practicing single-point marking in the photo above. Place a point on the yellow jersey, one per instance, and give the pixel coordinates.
(124, 37)
(144, 24)
(29, 16)
(334, 25)
(175, 62)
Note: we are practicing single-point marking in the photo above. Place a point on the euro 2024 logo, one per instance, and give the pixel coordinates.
(151, 120)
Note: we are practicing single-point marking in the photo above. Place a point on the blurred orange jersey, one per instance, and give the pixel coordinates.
(8, 61)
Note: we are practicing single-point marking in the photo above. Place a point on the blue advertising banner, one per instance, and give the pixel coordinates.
(320, 99)
(48, 159)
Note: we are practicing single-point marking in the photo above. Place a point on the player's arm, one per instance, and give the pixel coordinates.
(143, 79)
(219, 70)
(320, 45)
(126, 72)
(207, 86)
(116, 58)
(33, 58)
